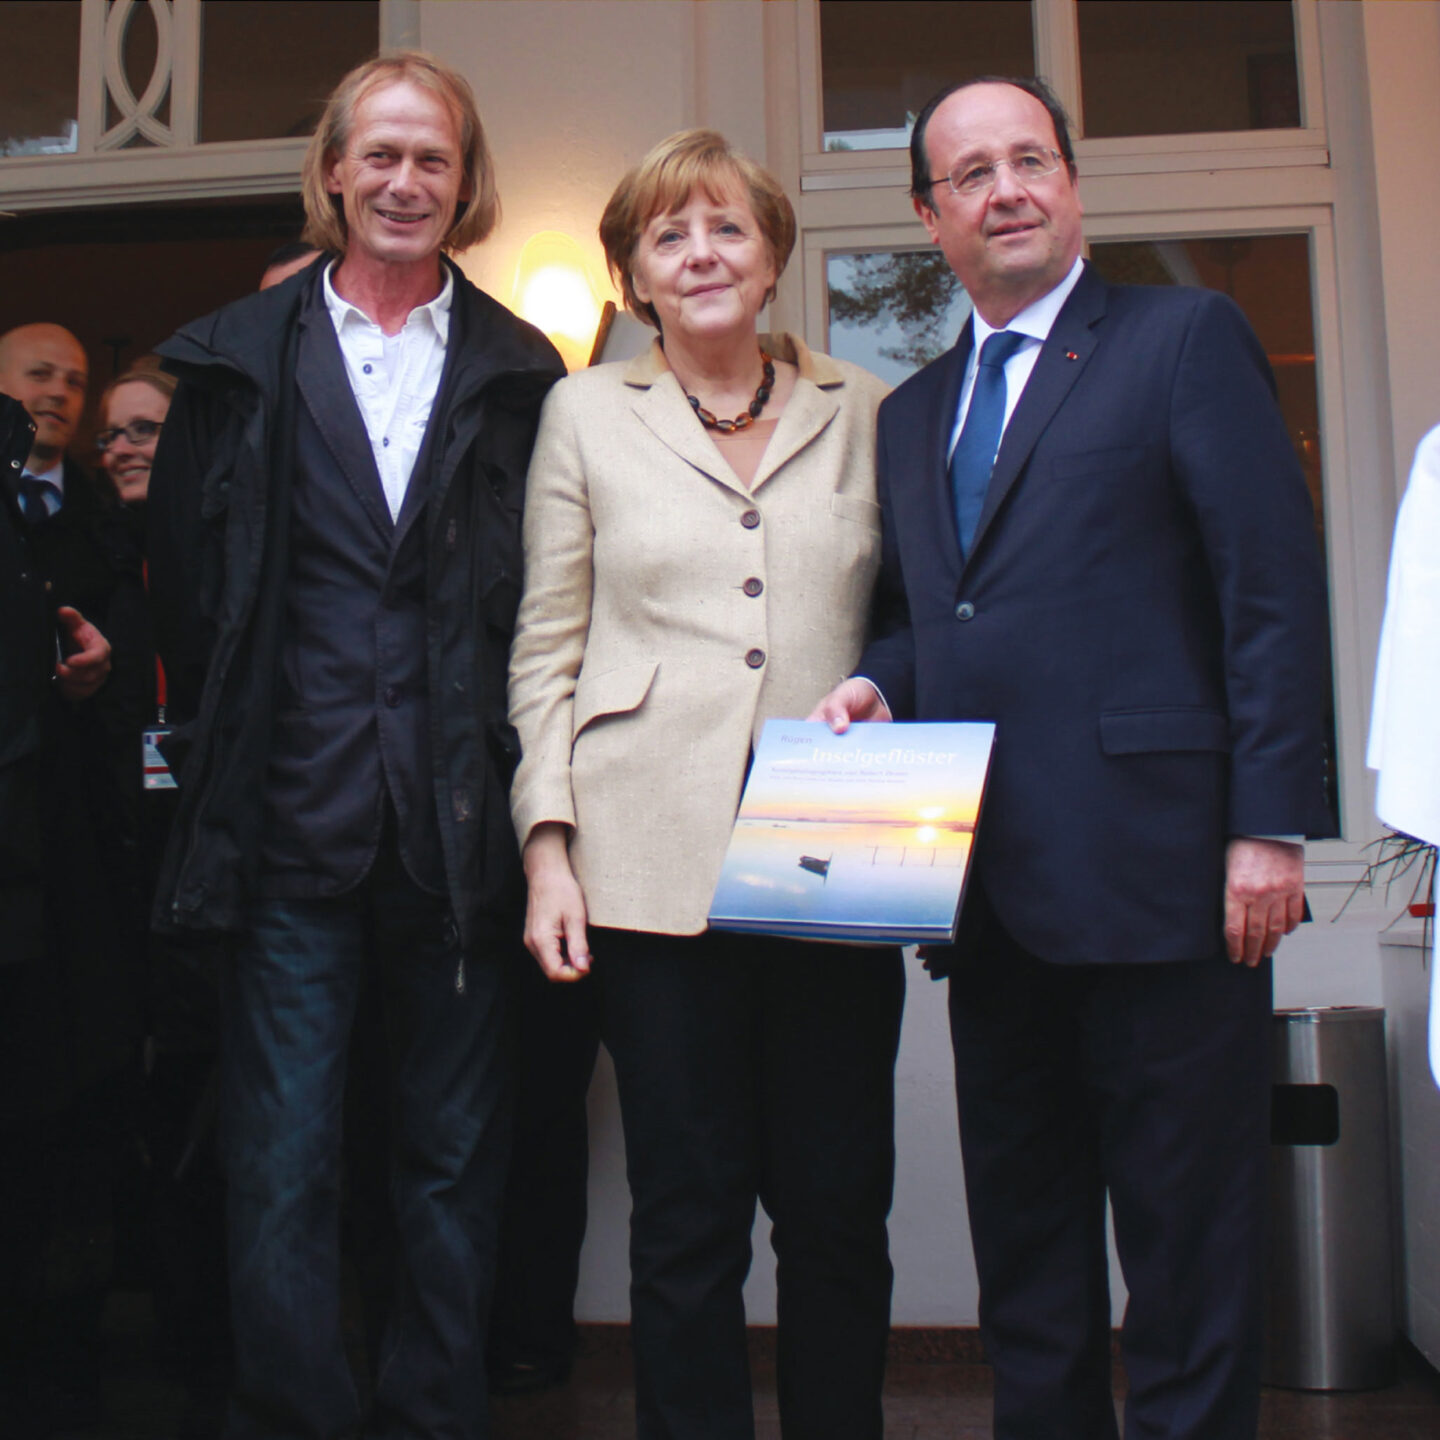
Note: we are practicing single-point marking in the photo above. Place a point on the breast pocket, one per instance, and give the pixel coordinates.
(1098, 464)
(857, 509)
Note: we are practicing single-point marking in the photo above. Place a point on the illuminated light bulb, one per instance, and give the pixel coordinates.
(554, 292)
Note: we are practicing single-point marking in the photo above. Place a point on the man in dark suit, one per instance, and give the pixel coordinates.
(66, 999)
(1130, 588)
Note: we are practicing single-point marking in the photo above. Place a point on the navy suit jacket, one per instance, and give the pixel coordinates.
(1142, 614)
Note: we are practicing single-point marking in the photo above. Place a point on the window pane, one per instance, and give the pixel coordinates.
(1184, 66)
(893, 311)
(38, 98)
(1268, 276)
(881, 63)
(266, 70)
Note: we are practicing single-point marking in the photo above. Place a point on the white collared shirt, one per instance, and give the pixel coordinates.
(1034, 322)
(394, 377)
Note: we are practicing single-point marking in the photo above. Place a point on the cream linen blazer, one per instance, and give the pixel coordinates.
(668, 612)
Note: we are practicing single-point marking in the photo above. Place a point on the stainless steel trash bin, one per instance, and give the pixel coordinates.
(1330, 1301)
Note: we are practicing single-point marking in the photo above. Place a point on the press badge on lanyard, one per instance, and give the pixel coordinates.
(154, 770)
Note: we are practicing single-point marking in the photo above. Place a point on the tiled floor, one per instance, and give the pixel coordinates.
(930, 1400)
(926, 1398)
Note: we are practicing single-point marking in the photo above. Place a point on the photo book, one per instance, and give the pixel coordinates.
(863, 837)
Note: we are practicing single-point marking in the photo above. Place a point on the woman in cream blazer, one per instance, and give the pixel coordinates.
(670, 610)
(687, 579)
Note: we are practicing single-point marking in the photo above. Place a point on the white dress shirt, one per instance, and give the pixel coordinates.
(1034, 322)
(394, 377)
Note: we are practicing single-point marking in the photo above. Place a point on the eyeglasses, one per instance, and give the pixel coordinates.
(974, 179)
(137, 432)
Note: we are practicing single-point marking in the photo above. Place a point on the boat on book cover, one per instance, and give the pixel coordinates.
(861, 836)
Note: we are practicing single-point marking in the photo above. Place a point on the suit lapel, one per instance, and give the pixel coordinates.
(663, 409)
(1062, 358)
(918, 454)
(325, 390)
(809, 410)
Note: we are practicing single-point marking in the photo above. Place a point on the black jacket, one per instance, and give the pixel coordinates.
(219, 513)
(69, 771)
(27, 660)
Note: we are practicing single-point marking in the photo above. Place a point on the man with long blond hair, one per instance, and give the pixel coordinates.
(335, 557)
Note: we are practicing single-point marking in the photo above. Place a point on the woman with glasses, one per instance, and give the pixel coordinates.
(132, 412)
(701, 545)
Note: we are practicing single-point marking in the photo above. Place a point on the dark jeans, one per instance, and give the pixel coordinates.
(288, 1008)
(1149, 1083)
(752, 1066)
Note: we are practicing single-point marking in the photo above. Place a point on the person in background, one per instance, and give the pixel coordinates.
(1404, 743)
(1097, 535)
(70, 1011)
(335, 550)
(180, 1217)
(286, 260)
(687, 576)
(132, 412)
(36, 1394)
(44, 367)
(132, 409)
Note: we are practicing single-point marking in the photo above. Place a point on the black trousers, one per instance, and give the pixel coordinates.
(556, 1034)
(755, 1067)
(1149, 1084)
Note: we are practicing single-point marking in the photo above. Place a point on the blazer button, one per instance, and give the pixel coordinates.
(753, 586)
(754, 658)
(964, 611)
(392, 695)
(750, 519)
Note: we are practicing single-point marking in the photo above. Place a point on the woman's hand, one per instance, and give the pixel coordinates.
(555, 912)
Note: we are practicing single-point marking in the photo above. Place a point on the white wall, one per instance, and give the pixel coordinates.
(1402, 45)
(575, 91)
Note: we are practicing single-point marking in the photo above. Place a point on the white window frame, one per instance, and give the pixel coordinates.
(177, 168)
(1057, 57)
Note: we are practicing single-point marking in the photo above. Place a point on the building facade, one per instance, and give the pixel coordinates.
(1280, 151)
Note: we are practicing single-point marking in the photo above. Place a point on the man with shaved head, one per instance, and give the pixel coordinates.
(44, 367)
(67, 1003)
(75, 534)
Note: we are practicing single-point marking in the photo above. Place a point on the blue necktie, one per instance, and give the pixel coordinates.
(34, 495)
(975, 450)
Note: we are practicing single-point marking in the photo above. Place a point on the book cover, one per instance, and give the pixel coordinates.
(860, 837)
